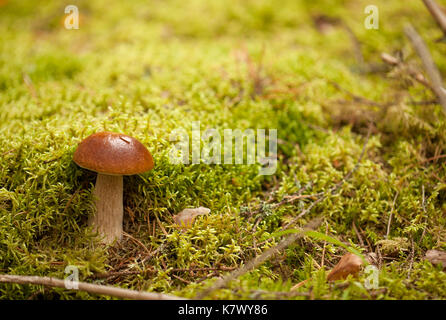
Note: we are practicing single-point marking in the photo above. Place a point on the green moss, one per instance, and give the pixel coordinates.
(146, 70)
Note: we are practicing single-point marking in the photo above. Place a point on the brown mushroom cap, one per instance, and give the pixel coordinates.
(114, 154)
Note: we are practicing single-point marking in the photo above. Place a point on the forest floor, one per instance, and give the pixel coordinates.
(309, 69)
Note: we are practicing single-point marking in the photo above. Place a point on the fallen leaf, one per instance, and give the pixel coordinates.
(186, 218)
(436, 257)
(349, 264)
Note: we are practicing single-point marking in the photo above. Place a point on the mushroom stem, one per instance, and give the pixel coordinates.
(109, 207)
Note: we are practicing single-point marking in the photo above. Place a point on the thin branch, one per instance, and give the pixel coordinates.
(257, 261)
(412, 255)
(141, 272)
(434, 158)
(391, 215)
(325, 244)
(358, 234)
(423, 205)
(417, 76)
(436, 13)
(313, 224)
(88, 287)
(432, 71)
(137, 242)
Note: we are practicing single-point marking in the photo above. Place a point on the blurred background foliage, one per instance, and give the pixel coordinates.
(146, 68)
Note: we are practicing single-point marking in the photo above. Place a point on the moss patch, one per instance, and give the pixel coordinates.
(145, 70)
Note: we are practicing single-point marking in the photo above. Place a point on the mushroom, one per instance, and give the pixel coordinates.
(112, 155)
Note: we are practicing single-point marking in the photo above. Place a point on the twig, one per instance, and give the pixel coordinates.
(417, 76)
(358, 234)
(6, 152)
(88, 287)
(325, 244)
(257, 261)
(137, 242)
(369, 245)
(391, 214)
(159, 249)
(423, 205)
(303, 212)
(286, 200)
(300, 284)
(429, 65)
(222, 282)
(434, 158)
(412, 254)
(292, 198)
(70, 200)
(324, 194)
(436, 13)
(131, 272)
(161, 225)
(181, 279)
(380, 257)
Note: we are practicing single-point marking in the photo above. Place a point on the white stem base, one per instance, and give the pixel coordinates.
(109, 207)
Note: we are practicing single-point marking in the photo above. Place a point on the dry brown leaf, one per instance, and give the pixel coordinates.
(186, 218)
(349, 264)
(436, 257)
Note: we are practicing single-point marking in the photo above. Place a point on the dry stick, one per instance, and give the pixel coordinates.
(436, 13)
(137, 242)
(332, 190)
(300, 284)
(131, 272)
(153, 253)
(417, 76)
(412, 254)
(391, 214)
(287, 200)
(257, 261)
(292, 198)
(88, 287)
(222, 282)
(434, 158)
(423, 205)
(161, 225)
(325, 244)
(358, 234)
(429, 65)
(181, 279)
